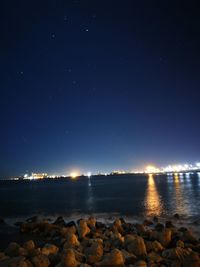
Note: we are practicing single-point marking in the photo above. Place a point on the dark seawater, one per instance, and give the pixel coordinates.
(124, 195)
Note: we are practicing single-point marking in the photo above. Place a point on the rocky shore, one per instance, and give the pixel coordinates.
(88, 242)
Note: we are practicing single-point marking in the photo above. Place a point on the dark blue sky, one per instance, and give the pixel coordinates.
(98, 85)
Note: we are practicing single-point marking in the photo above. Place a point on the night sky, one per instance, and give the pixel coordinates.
(98, 85)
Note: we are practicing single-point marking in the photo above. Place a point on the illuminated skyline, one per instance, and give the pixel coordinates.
(98, 85)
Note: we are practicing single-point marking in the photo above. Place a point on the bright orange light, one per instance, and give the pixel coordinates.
(73, 175)
(151, 169)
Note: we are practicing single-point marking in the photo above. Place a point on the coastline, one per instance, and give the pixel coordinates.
(100, 241)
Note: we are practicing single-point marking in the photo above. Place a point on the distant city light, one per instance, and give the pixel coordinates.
(152, 169)
(89, 174)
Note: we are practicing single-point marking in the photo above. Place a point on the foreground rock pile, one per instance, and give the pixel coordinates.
(90, 243)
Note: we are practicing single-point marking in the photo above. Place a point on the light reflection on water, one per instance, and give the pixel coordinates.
(153, 202)
(151, 195)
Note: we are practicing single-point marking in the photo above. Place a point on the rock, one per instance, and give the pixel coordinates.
(155, 257)
(140, 264)
(169, 224)
(192, 260)
(180, 244)
(70, 224)
(60, 221)
(71, 241)
(176, 253)
(159, 227)
(32, 219)
(115, 258)
(29, 245)
(156, 246)
(137, 246)
(49, 249)
(176, 216)
(69, 259)
(155, 219)
(94, 253)
(188, 236)
(164, 236)
(140, 228)
(147, 222)
(2, 221)
(14, 262)
(12, 249)
(40, 261)
(130, 258)
(83, 229)
(91, 222)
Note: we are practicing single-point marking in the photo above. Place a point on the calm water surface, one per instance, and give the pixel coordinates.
(126, 195)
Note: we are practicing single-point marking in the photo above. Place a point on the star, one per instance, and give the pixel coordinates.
(53, 35)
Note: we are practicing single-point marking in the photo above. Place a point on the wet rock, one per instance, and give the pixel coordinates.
(71, 241)
(40, 261)
(83, 229)
(137, 246)
(115, 258)
(140, 264)
(12, 249)
(69, 258)
(49, 249)
(60, 221)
